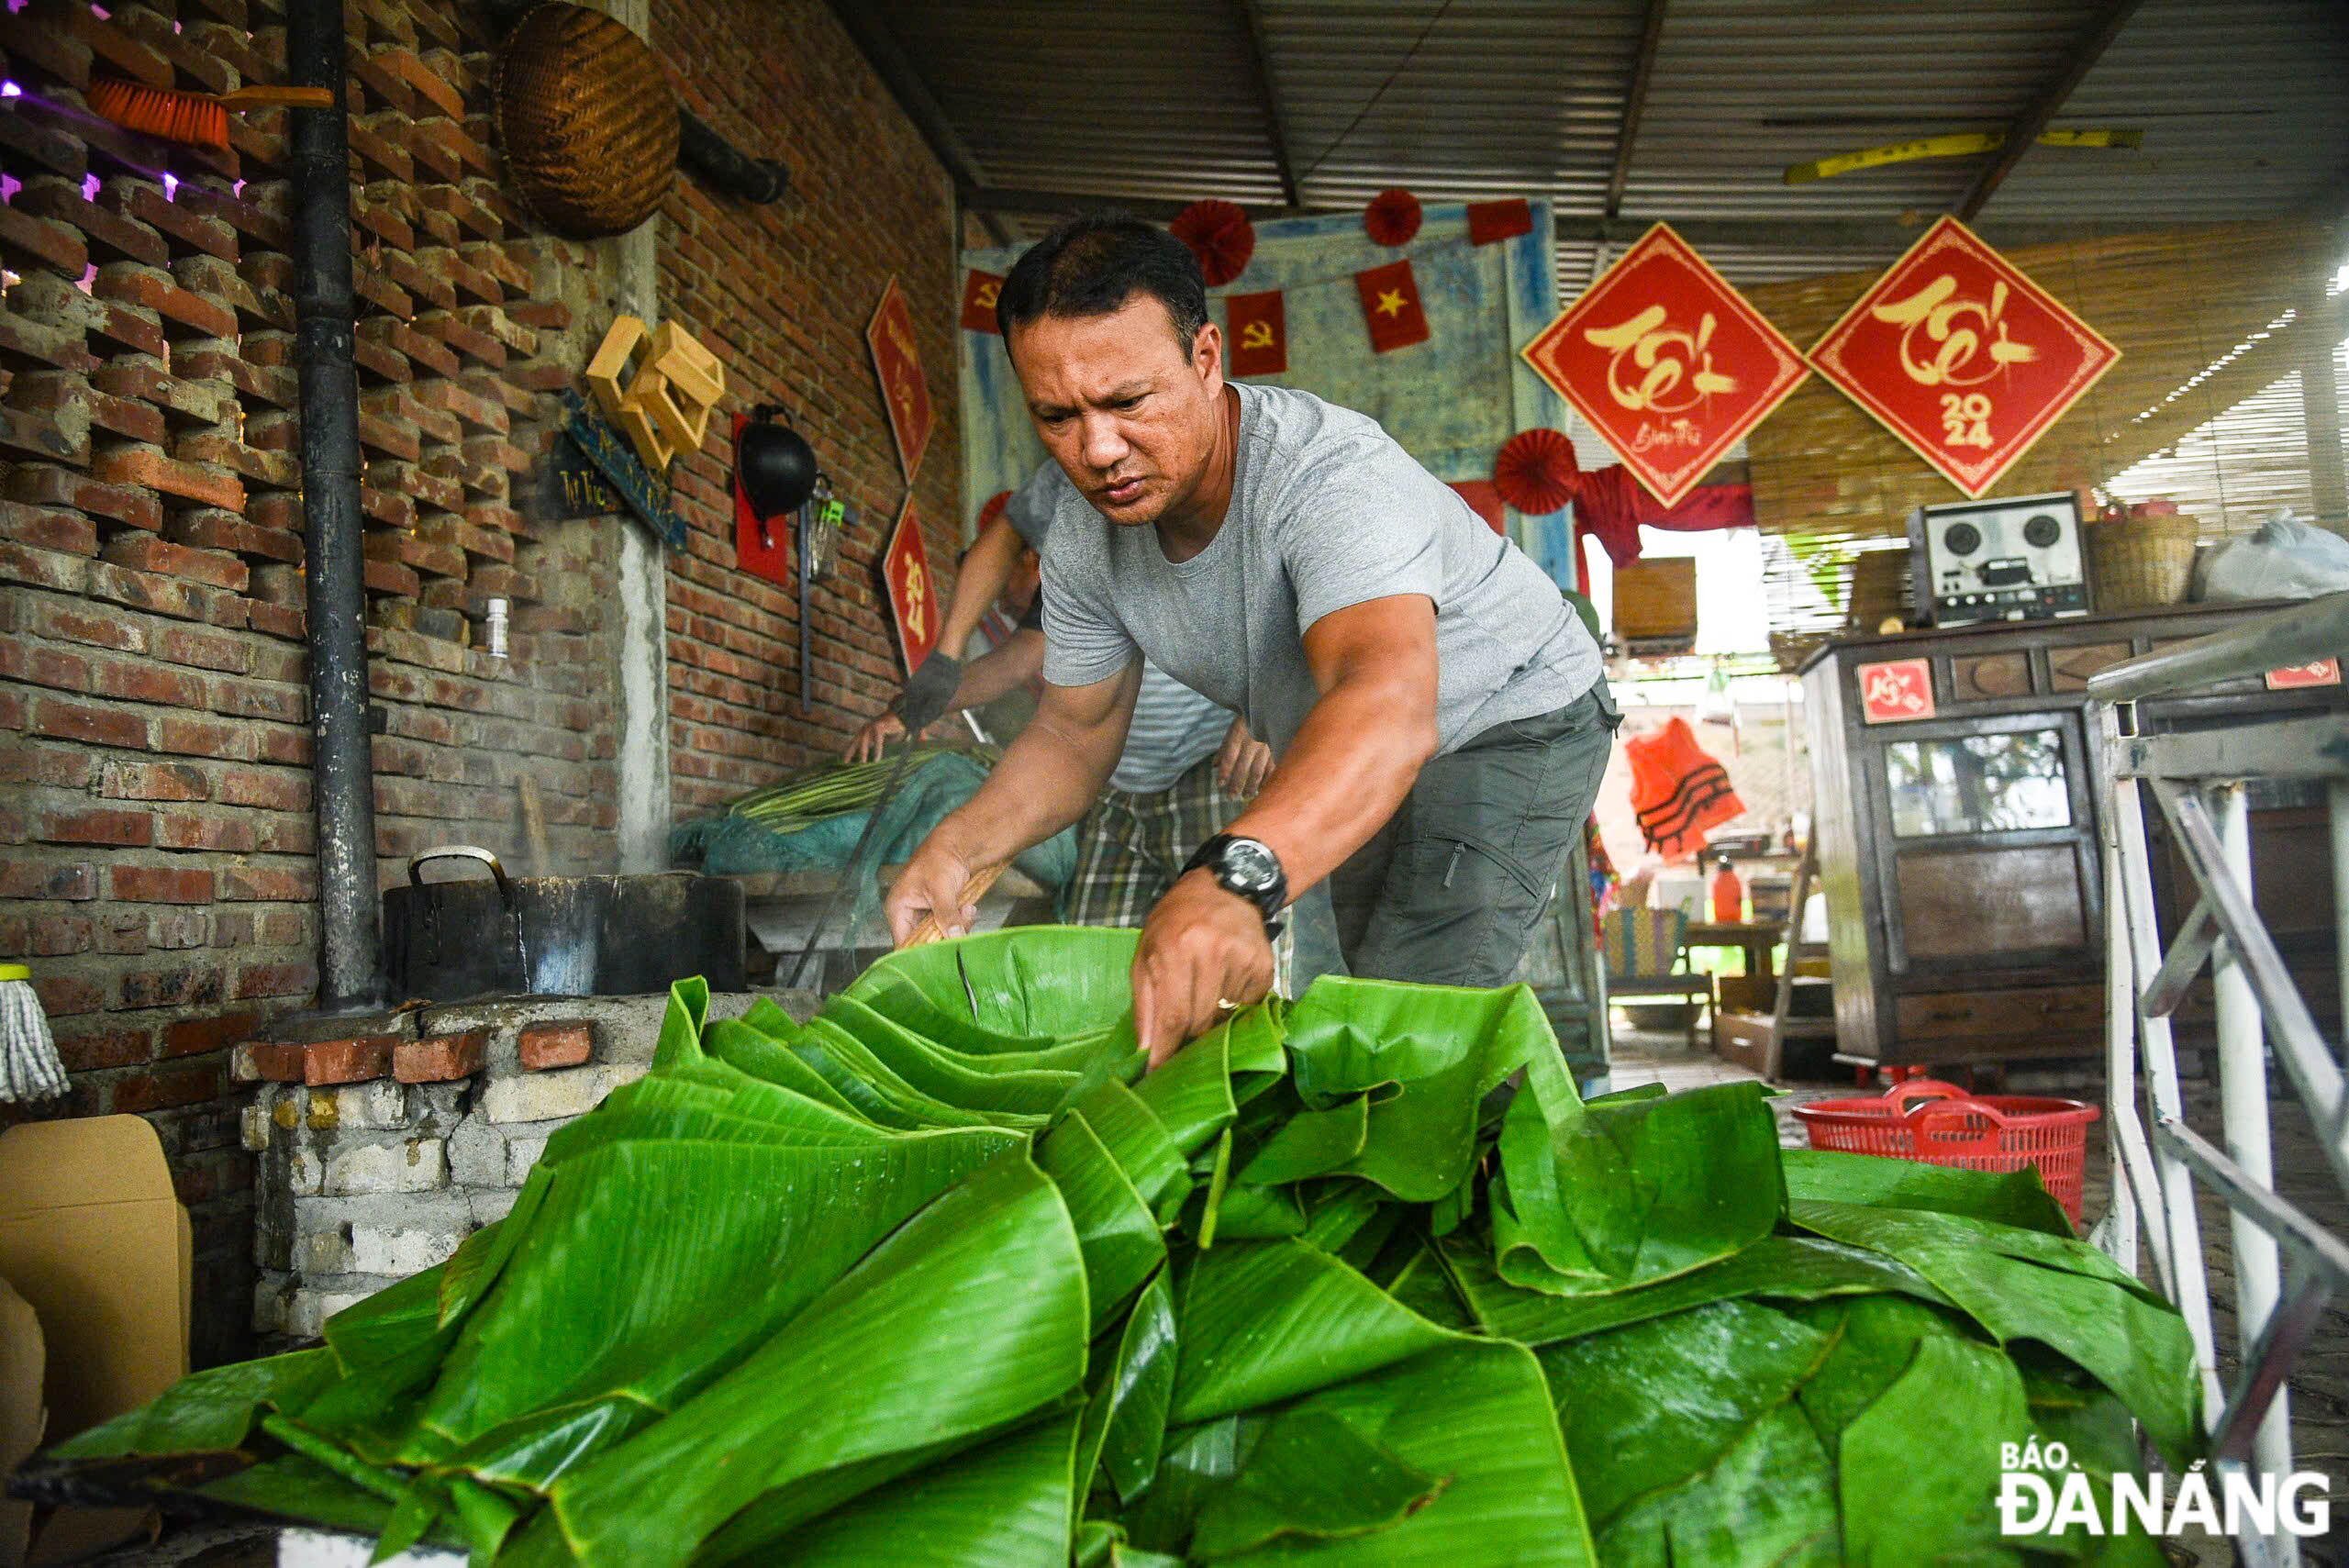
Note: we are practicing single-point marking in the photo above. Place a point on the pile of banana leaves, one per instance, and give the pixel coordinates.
(942, 1278)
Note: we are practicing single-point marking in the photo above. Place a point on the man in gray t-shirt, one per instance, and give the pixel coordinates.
(1437, 711)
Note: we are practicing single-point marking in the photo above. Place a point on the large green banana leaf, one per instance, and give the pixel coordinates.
(942, 1277)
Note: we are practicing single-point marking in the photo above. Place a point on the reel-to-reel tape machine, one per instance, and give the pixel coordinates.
(2015, 558)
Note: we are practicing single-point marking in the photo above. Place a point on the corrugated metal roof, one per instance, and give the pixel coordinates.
(2244, 104)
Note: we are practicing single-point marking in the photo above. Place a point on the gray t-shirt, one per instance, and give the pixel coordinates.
(1174, 729)
(1327, 512)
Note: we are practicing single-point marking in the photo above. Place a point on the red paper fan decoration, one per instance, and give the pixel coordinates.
(1220, 235)
(1392, 217)
(1535, 471)
(994, 508)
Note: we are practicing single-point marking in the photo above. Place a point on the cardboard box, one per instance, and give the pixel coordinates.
(93, 1240)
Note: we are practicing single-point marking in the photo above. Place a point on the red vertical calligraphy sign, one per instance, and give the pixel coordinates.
(913, 603)
(890, 335)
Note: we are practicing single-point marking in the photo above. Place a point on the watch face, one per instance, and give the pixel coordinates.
(1250, 866)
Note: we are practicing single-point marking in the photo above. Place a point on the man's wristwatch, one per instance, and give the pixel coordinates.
(1248, 867)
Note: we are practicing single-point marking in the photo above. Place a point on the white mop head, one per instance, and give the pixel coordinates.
(29, 1069)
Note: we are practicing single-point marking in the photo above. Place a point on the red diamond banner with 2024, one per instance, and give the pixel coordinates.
(1961, 356)
(1667, 363)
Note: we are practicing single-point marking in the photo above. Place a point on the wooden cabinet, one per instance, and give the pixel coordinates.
(1955, 810)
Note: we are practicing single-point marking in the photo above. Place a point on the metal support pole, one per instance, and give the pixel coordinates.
(2243, 1101)
(2184, 1224)
(341, 766)
(2337, 821)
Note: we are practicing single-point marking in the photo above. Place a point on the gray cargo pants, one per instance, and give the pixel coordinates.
(1449, 892)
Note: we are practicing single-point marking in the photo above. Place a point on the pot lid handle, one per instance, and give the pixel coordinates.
(461, 851)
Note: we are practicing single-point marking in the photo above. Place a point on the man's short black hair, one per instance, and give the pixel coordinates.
(1092, 266)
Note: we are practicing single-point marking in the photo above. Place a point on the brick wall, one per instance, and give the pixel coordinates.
(156, 841)
(783, 293)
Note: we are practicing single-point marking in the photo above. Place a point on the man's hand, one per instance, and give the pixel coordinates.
(932, 883)
(930, 691)
(874, 738)
(1244, 762)
(1201, 947)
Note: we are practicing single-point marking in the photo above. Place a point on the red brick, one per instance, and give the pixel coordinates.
(30, 242)
(203, 738)
(122, 931)
(74, 624)
(186, 831)
(145, 467)
(443, 1059)
(46, 529)
(43, 569)
(97, 826)
(148, 683)
(261, 885)
(98, 726)
(203, 985)
(109, 234)
(55, 936)
(66, 995)
(28, 763)
(148, 289)
(162, 1091)
(153, 781)
(44, 666)
(89, 1051)
(159, 885)
(192, 1037)
(259, 980)
(348, 1061)
(270, 790)
(565, 1042)
(175, 931)
(147, 554)
(25, 879)
(267, 1062)
(150, 591)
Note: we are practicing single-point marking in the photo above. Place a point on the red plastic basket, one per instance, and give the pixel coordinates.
(1940, 1124)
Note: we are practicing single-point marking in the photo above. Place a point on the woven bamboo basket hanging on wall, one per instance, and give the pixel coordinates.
(587, 120)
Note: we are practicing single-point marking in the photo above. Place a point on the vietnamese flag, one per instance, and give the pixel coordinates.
(1489, 221)
(1390, 306)
(1259, 333)
(979, 291)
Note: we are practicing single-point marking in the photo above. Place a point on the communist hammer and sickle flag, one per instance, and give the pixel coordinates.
(1259, 334)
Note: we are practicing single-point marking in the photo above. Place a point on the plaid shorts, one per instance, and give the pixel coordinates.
(1131, 845)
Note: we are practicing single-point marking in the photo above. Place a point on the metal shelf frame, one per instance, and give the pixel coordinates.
(2288, 1267)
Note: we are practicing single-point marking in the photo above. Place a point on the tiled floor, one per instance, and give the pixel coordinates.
(2320, 1382)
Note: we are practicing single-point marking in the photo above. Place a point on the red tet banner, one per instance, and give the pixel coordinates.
(1897, 692)
(890, 335)
(979, 291)
(1667, 363)
(1390, 305)
(1489, 221)
(1259, 333)
(2292, 677)
(1959, 354)
(913, 594)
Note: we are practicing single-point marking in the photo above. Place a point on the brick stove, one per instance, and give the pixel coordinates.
(381, 1150)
